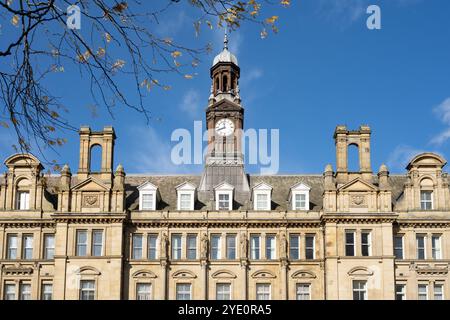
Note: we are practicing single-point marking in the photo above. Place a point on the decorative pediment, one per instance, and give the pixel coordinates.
(224, 186)
(427, 159)
(185, 186)
(263, 274)
(358, 185)
(23, 160)
(184, 274)
(90, 184)
(262, 186)
(360, 272)
(147, 186)
(302, 274)
(224, 274)
(300, 187)
(88, 271)
(144, 274)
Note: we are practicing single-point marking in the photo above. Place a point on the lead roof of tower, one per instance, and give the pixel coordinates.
(225, 55)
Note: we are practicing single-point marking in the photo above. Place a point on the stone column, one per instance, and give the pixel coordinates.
(164, 284)
(284, 279)
(204, 266)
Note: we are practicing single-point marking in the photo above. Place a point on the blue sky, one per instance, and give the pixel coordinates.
(323, 68)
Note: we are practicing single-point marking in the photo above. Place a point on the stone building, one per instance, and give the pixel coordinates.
(225, 234)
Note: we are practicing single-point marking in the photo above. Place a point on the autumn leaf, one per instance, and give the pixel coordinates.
(118, 64)
(101, 52)
(272, 19)
(167, 88)
(15, 20)
(108, 37)
(285, 2)
(120, 7)
(188, 76)
(4, 124)
(209, 24)
(176, 54)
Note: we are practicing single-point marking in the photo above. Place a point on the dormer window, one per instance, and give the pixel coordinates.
(426, 200)
(299, 197)
(224, 196)
(148, 196)
(262, 197)
(186, 196)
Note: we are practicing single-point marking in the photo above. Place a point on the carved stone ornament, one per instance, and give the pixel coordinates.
(358, 200)
(91, 201)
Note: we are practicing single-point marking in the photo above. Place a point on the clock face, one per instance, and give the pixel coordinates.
(224, 127)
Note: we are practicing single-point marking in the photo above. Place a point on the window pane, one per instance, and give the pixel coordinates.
(420, 243)
(231, 247)
(27, 244)
(350, 243)
(262, 201)
(147, 201)
(262, 291)
(359, 290)
(310, 248)
(97, 243)
(137, 246)
(294, 241)
(400, 292)
(10, 291)
(23, 200)
(365, 244)
(270, 247)
(300, 201)
(185, 201)
(87, 290)
(25, 291)
(255, 247)
(47, 291)
(215, 247)
(438, 292)
(143, 291)
(398, 247)
(423, 291)
(192, 246)
(303, 291)
(49, 246)
(224, 201)
(152, 246)
(81, 243)
(183, 291)
(436, 246)
(12, 246)
(223, 291)
(426, 200)
(176, 246)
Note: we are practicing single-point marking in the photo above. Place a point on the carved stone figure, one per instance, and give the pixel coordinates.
(244, 245)
(204, 246)
(164, 245)
(283, 245)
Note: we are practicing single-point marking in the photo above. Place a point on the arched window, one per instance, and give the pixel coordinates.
(23, 194)
(353, 158)
(426, 194)
(95, 161)
(225, 83)
(217, 84)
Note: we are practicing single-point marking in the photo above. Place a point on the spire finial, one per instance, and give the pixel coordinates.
(225, 39)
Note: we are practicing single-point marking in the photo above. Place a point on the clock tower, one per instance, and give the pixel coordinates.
(224, 160)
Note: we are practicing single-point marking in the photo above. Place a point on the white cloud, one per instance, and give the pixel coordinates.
(251, 75)
(442, 111)
(150, 153)
(401, 156)
(191, 103)
(170, 26)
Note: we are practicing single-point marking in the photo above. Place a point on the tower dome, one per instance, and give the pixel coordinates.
(225, 55)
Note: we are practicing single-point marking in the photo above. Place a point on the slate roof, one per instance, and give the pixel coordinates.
(166, 186)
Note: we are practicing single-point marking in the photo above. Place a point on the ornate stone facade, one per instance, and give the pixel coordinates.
(337, 235)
